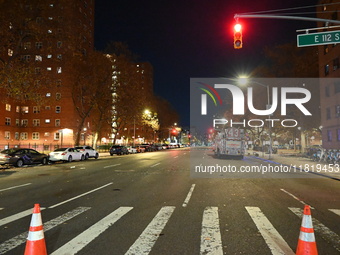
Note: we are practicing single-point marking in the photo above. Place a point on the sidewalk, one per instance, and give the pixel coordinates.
(291, 158)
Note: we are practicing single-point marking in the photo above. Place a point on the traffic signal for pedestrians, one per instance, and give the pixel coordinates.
(237, 36)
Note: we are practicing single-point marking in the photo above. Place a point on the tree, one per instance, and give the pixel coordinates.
(91, 89)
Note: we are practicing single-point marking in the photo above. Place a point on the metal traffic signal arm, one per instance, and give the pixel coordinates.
(305, 42)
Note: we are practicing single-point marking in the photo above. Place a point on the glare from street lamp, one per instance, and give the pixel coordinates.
(243, 80)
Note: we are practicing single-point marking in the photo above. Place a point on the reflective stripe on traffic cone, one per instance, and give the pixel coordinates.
(306, 243)
(35, 244)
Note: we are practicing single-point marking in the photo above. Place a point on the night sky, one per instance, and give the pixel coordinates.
(193, 38)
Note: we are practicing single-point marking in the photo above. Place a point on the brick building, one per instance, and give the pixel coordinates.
(69, 28)
(329, 72)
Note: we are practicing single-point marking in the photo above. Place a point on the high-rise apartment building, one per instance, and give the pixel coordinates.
(66, 31)
(329, 72)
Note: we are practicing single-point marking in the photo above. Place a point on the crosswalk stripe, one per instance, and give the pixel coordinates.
(274, 240)
(20, 239)
(211, 242)
(147, 239)
(80, 241)
(17, 216)
(320, 229)
(186, 201)
(336, 211)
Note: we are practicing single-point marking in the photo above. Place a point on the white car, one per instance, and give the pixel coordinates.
(66, 154)
(89, 151)
(132, 149)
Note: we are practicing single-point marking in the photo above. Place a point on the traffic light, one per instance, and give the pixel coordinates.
(237, 36)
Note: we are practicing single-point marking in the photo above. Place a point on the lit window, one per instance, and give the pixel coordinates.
(49, 56)
(8, 107)
(7, 135)
(47, 121)
(38, 58)
(49, 31)
(10, 52)
(59, 69)
(7, 121)
(47, 134)
(35, 136)
(24, 122)
(49, 68)
(50, 18)
(48, 94)
(16, 136)
(24, 109)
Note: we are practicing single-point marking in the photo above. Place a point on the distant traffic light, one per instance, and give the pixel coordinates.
(237, 36)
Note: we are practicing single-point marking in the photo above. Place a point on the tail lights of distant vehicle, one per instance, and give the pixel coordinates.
(238, 36)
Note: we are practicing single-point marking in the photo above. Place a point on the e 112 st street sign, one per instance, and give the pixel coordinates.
(318, 38)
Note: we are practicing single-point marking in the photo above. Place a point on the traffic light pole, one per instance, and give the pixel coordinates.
(264, 16)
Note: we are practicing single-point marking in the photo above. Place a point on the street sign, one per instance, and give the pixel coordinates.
(315, 39)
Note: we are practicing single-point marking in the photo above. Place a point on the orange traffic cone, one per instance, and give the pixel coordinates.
(35, 244)
(306, 244)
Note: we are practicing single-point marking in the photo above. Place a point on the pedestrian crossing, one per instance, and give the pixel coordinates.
(210, 239)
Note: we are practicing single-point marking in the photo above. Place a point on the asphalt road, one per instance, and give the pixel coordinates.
(155, 203)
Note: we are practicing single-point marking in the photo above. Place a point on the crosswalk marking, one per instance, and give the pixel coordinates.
(274, 240)
(20, 239)
(17, 216)
(80, 241)
(336, 211)
(147, 239)
(112, 165)
(320, 229)
(211, 242)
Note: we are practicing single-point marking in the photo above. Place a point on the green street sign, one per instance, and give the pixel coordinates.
(318, 38)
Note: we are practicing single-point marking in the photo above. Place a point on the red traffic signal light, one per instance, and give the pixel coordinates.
(237, 36)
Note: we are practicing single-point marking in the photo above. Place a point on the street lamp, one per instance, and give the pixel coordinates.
(244, 81)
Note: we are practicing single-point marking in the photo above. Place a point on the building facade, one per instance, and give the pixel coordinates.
(329, 72)
(51, 121)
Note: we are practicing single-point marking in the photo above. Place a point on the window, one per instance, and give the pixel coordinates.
(35, 136)
(335, 64)
(59, 57)
(24, 109)
(49, 56)
(59, 70)
(47, 121)
(37, 70)
(16, 136)
(329, 135)
(27, 45)
(38, 45)
(58, 96)
(36, 122)
(47, 134)
(17, 122)
(325, 49)
(328, 113)
(49, 31)
(26, 58)
(58, 109)
(10, 52)
(56, 136)
(47, 107)
(57, 123)
(338, 134)
(8, 107)
(17, 109)
(24, 136)
(336, 87)
(49, 68)
(337, 111)
(7, 135)
(36, 109)
(7, 121)
(24, 122)
(326, 69)
(58, 83)
(48, 94)
(38, 58)
(59, 44)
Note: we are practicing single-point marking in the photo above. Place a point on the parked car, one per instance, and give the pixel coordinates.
(132, 149)
(66, 154)
(89, 151)
(22, 156)
(119, 150)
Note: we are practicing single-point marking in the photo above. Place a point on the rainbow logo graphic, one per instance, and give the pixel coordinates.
(213, 95)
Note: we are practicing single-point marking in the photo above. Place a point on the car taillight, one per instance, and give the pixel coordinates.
(64, 153)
